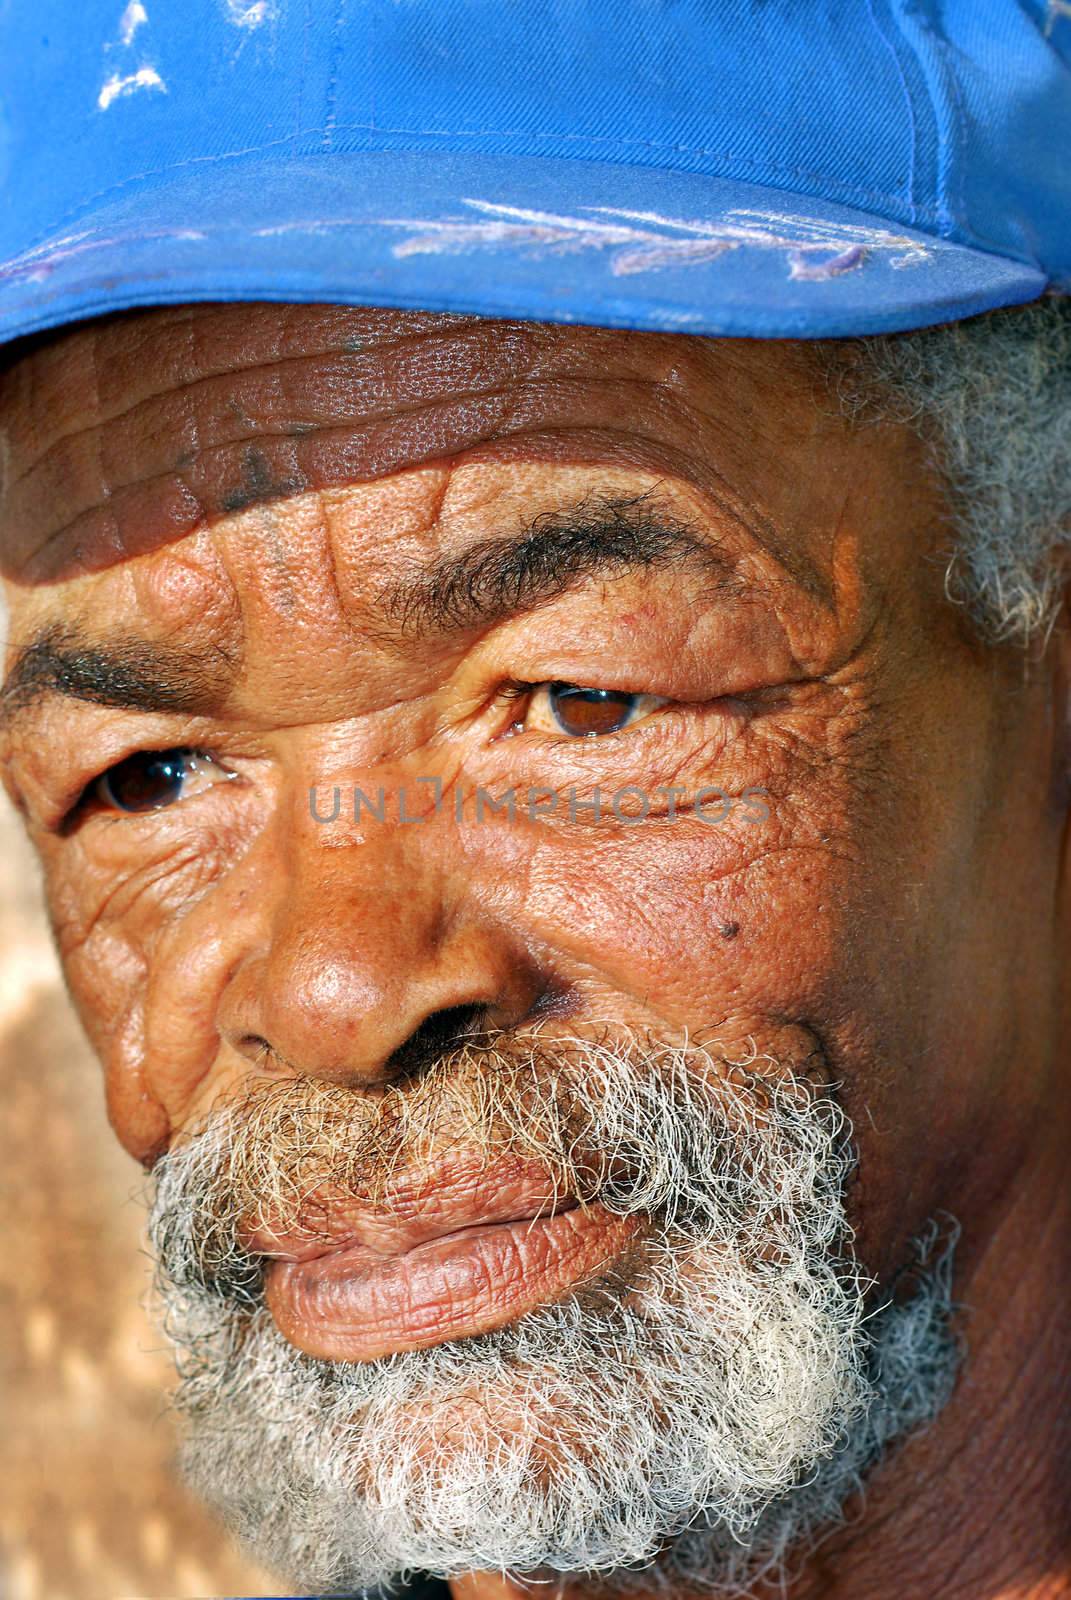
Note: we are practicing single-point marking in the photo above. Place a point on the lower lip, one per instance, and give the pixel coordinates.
(356, 1305)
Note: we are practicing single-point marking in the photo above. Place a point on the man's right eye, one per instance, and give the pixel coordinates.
(152, 779)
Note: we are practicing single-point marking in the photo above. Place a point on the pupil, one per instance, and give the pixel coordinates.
(147, 780)
(587, 712)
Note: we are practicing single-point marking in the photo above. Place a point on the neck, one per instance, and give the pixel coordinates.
(978, 1507)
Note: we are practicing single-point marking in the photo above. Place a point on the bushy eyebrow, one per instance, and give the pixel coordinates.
(485, 584)
(129, 674)
(504, 577)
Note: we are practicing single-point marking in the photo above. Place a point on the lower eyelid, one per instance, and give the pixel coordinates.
(643, 726)
(720, 719)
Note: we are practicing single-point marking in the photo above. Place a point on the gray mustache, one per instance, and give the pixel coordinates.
(691, 1140)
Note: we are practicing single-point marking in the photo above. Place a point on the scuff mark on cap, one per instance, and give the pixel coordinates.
(816, 271)
(1057, 9)
(249, 14)
(647, 241)
(116, 86)
(131, 20)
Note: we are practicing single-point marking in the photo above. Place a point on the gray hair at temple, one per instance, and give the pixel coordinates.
(992, 398)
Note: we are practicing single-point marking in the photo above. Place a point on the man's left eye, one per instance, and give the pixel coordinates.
(152, 779)
(586, 713)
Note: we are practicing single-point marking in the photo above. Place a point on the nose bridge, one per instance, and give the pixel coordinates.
(371, 934)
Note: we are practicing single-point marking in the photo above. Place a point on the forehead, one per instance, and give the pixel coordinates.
(195, 469)
(124, 435)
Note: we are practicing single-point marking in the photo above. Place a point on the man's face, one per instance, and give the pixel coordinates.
(261, 560)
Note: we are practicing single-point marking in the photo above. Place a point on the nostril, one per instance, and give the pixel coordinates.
(257, 1049)
(439, 1033)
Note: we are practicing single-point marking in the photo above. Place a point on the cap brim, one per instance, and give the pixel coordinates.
(509, 236)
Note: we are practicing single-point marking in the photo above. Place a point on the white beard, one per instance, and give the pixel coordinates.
(707, 1408)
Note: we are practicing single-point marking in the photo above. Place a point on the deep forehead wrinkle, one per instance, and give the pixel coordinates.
(142, 381)
(258, 414)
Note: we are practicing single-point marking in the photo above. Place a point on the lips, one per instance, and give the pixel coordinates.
(443, 1254)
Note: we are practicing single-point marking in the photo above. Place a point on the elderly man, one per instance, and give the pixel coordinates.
(553, 808)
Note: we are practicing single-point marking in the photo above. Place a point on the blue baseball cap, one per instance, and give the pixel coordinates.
(780, 168)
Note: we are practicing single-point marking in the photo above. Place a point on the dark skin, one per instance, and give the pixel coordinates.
(273, 502)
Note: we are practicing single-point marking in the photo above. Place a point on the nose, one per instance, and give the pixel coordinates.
(375, 958)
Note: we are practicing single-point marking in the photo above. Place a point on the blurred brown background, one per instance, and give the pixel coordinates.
(90, 1506)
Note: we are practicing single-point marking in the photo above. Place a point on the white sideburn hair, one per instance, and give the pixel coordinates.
(689, 1421)
(992, 396)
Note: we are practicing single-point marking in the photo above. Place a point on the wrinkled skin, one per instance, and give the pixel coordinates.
(249, 483)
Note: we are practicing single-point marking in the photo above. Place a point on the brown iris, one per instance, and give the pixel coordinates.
(588, 712)
(146, 781)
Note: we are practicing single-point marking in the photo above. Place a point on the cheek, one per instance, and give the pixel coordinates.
(107, 973)
(694, 922)
(116, 930)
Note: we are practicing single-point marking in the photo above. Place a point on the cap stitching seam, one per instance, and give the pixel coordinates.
(949, 209)
(914, 209)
